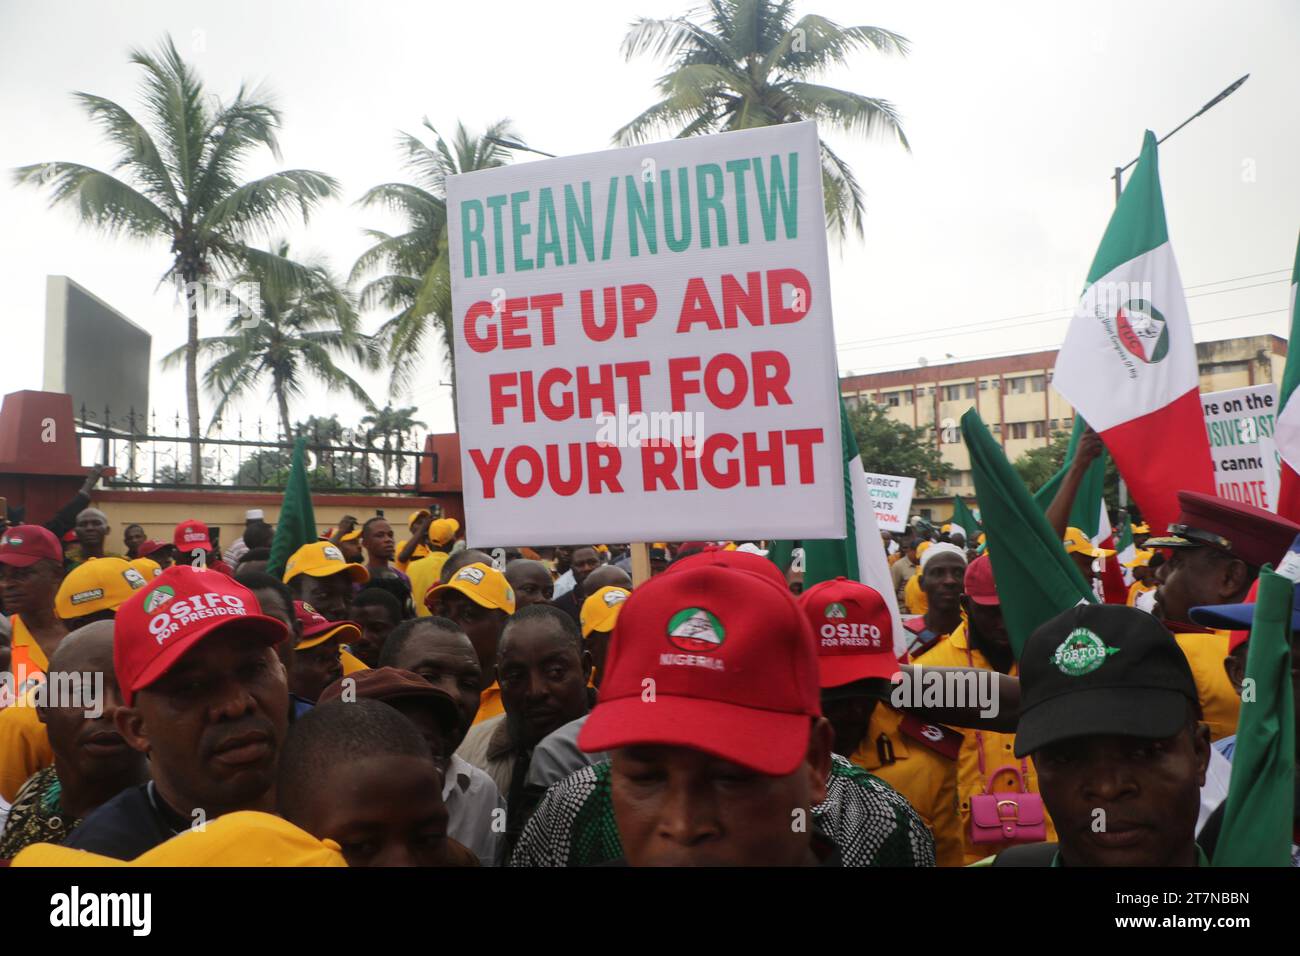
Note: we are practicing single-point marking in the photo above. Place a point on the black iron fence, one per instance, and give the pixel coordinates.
(247, 455)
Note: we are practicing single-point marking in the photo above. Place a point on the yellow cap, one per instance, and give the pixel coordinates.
(729, 546)
(660, 544)
(351, 535)
(945, 529)
(602, 548)
(1076, 542)
(148, 568)
(485, 586)
(920, 548)
(345, 631)
(1141, 559)
(600, 611)
(351, 664)
(320, 559)
(99, 584)
(243, 838)
(1142, 528)
(443, 530)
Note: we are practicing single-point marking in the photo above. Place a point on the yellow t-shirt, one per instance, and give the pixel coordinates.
(424, 575)
(914, 597)
(24, 747)
(1220, 705)
(920, 772)
(489, 704)
(1138, 588)
(421, 550)
(999, 750)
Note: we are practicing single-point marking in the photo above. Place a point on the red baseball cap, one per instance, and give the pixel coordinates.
(854, 631)
(149, 546)
(740, 560)
(160, 622)
(25, 544)
(190, 535)
(978, 584)
(734, 667)
(317, 628)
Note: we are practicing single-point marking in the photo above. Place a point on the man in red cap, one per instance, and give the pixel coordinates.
(986, 757)
(710, 707)
(194, 548)
(1213, 554)
(857, 660)
(204, 695)
(31, 570)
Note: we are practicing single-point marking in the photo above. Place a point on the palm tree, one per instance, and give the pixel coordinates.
(181, 183)
(417, 285)
(750, 65)
(390, 423)
(293, 330)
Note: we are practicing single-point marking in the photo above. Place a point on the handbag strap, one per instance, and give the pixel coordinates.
(979, 745)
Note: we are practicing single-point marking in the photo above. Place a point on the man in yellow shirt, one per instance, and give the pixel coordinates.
(982, 641)
(1213, 554)
(942, 568)
(856, 660)
(480, 600)
(1143, 576)
(424, 572)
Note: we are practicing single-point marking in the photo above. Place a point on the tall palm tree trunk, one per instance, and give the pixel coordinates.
(283, 402)
(191, 278)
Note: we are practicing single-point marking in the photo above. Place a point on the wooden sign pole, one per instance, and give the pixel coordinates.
(640, 563)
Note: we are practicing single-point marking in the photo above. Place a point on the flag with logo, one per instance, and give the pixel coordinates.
(1260, 811)
(965, 519)
(1128, 363)
(297, 524)
(860, 554)
(1034, 577)
(1288, 416)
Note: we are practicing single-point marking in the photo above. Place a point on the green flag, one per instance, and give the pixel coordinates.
(1085, 513)
(965, 519)
(1258, 818)
(297, 524)
(1035, 578)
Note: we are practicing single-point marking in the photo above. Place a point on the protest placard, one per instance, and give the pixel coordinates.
(643, 344)
(1242, 445)
(891, 498)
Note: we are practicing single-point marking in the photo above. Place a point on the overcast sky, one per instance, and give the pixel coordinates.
(1016, 111)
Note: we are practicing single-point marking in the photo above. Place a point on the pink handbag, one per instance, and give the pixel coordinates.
(1006, 816)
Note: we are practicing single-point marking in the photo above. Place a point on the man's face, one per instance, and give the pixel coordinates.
(986, 621)
(30, 590)
(585, 560)
(383, 811)
(1125, 801)
(92, 745)
(328, 595)
(563, 558)
(1084, 563)
(1190, 577)
(91, 531)
(315, 668)
(850, 717)
(481, 625)
(675, 806)
(351, 550)
(376, 624)
(942, 581)
(531, 583)
(379, 541)
(447, 660)
(911, 551)
(213, 724)
(543, 679)
(133, 537)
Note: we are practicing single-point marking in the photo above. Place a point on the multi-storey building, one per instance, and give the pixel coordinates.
(1014, 396)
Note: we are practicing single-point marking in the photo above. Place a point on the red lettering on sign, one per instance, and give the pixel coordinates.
(777, 279)
(771, 376)
(479, 343)
(487, 469)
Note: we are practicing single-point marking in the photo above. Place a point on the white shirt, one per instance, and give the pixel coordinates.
(1217, 776)
(471, 797)
(564, 584)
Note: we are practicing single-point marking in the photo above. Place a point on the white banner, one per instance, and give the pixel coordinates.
(1240, 422)
(891, 497)
(643, 344)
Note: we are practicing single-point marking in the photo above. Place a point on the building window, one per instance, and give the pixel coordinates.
(984, 384)
(892, 399)
(997, 428)
(970, 389)
(1015, 386)
(906, 397)
(1037, 383)
(1039, 429)
(1018, 429)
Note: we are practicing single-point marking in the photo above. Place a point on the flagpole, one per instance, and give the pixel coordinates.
(1118, 176)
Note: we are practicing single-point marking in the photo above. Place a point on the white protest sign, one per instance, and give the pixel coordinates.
(1247, 466)
(891, 497)
(643, 344)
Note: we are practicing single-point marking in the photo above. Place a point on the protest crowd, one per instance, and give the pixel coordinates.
(391, 697)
